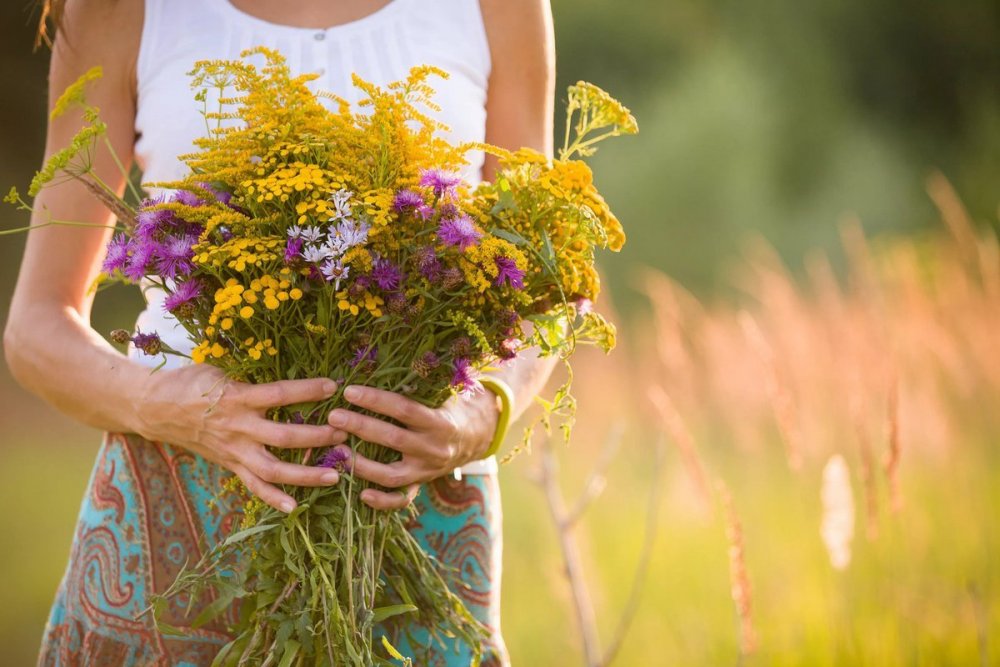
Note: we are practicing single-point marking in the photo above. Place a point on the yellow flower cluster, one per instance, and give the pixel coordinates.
(256, 348)
(238, 253)
(370, 302)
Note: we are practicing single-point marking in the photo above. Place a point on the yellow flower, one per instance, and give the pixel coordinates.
(246, 312)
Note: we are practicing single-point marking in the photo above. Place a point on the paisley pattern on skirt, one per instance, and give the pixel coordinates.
(149, 508)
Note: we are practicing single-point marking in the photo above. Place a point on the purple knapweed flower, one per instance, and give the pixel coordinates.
(187, 198)
(507, 349)
(364, 354)
(507, 270)
(222, 196)
(442, 182)
(117, 254)
(428, 263)
(335, 458)
(148, 343)
(182, 296)
(293, 251)
(465, 377)
(386, 274)
(151, 221)
(407, 199)
(142, 256)
(174, 256)
(460, 232)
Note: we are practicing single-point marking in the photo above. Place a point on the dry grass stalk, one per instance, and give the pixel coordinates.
(891, 462)
(674, 424)
(868, 483)
(739, 580)
(778, 395)
(954, 215)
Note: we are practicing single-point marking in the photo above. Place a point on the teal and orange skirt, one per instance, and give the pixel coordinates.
(150, 507)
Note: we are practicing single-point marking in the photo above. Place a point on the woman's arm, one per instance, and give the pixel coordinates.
(49, 344)
(519, 110)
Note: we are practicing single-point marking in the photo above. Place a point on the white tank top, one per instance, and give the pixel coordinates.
(380, 47)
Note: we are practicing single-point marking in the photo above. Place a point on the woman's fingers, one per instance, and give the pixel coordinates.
(270, 468)
(375, 430)
(390, 500)
(391, 404)
(392, 475)
(294, 436)
(286, 392)
(269, 493)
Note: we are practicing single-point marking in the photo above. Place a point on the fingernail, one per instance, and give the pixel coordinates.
(352, 393)
(330, 478)
(329, 387)
(287, 506)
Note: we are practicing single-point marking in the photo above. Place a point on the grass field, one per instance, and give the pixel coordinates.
(893, 367)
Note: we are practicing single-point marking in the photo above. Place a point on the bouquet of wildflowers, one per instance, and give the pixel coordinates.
(308, 243)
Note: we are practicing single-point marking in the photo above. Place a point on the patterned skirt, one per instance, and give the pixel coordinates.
(150, 507)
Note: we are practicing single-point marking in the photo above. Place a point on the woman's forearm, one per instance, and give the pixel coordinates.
(527, 375)
(54, 353)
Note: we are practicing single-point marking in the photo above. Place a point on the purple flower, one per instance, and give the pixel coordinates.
(149, 343)
(508, 348)
(117, 254)
(441, 181)
(151, 221)
(584, 306)
(407, 199)
(143, 253)
(428, 263)
(174, 256)
(507, 270)
(336, 458)
(459, 232)
(293, 251)
(182, 296)
(222, 196)
(224, 233)
(465, 377)
(187, 198)
(364, 354)
(386, 274)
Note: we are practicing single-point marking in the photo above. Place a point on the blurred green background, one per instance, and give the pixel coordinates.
(773, 119)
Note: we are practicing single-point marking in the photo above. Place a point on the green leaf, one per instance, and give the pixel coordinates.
(214, 608)
(290, 651)
(249, 532)
(382, 613)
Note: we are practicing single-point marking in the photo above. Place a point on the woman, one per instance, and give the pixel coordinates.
(173, 434)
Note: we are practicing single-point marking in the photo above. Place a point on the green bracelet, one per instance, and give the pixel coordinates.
(503, 391)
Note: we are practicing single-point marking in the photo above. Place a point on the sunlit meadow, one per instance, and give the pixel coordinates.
(881, 363)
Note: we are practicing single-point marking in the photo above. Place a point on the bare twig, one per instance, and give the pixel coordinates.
(596, 481)
(642, 569)
(585, 618)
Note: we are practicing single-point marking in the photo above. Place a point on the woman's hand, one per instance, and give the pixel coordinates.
(433, 442)
(198, 408)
